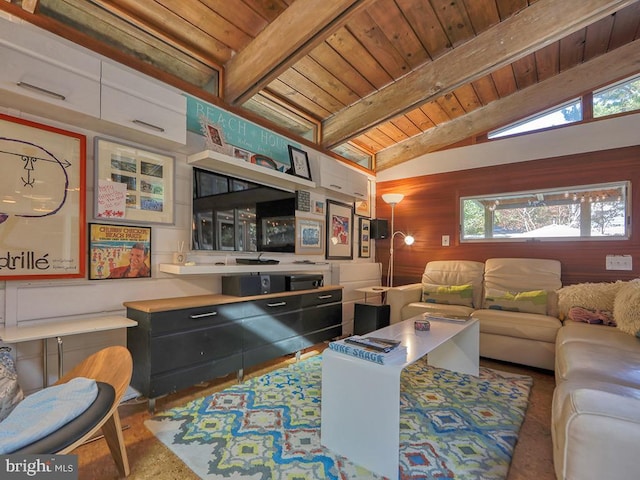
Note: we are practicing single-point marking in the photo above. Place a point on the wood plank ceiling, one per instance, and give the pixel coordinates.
(397, 78)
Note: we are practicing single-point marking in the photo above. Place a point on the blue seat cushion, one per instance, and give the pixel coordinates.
(76, 428)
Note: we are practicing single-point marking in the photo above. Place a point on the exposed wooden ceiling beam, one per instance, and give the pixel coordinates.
(532, 28)
(619, 63)
(197, 49)
(300, 28)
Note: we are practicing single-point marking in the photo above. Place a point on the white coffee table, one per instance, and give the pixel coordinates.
(361, 399)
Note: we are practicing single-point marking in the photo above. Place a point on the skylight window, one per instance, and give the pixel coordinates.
(356, 155)
(564, 114)
(278, 112)
(622, 97)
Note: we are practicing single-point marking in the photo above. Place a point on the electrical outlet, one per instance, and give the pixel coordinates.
(445, 240)
(619, 262)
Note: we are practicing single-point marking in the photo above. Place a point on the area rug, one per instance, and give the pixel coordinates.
(451, 426)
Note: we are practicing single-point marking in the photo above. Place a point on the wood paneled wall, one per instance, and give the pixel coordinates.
(430, 209)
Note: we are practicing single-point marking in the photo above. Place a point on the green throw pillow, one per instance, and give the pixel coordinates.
(534, 301)
(448, 294)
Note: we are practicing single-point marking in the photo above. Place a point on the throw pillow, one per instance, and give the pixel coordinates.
(592, 296)
(626, 308)
(10, 391)
(448, 294)
(579, 314)
(534, 301)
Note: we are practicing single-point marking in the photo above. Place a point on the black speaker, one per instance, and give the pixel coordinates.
(247, 285)
(277, 283)
(379, 228)
(244, 285)
(368, 317)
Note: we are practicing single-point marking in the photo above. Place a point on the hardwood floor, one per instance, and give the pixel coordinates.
(149, 459)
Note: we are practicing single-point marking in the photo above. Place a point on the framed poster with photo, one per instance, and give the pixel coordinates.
(309, 236)
(119, 251)
(339, 231)
(365, 238)
(42, 221)
(133, 184)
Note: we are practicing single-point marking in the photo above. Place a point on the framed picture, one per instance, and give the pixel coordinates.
(299, 163)
(213, 136)
(318, 207)
(119, 251)
(339, 230)
(363, 207)
(241, 154)
(365, 238)
(42, 220)
(309, 236)
(133, 184)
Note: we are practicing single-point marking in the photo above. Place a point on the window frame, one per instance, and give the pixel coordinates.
(499, 133)
(570, 190)
(612, 86)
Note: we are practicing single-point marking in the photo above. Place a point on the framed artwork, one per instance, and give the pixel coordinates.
(365, 238)
(299, 163)
(339, 230)
(242, 154)
(363, 207)
(119, 251)
(318, 207)
(42, 220)
(213, 135)
(133, 184)
(309, 236)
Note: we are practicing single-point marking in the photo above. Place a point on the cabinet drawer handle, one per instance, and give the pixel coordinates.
(148, 125)
(44, 91)
(277, 304)
(324, 297)
(359, 194)
(195, 316)
(336, 186)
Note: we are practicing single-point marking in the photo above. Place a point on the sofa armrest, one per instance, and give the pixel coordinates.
(596, 433)
(398, 297)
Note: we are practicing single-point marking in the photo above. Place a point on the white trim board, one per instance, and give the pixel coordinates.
(587, 137)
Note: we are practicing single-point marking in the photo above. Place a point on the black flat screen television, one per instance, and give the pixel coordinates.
(237, 215)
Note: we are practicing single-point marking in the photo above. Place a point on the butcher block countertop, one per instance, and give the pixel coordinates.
(178, 303)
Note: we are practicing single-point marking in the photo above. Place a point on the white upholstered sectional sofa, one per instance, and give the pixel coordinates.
(596, 403)
(595, 420)
(526, 337)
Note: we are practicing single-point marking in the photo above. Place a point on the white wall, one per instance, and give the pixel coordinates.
(617, 132)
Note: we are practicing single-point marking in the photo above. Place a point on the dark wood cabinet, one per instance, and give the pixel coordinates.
(186, 340)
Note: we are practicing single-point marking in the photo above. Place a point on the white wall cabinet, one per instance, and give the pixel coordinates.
(332, 175)
(41, 68)
(47, 76)
(141, 103)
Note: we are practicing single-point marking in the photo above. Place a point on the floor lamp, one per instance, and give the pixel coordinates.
(393, 199)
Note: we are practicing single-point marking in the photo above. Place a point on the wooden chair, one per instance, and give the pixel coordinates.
(111, 368)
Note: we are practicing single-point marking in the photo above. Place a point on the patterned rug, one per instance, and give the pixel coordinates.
(451, 426)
